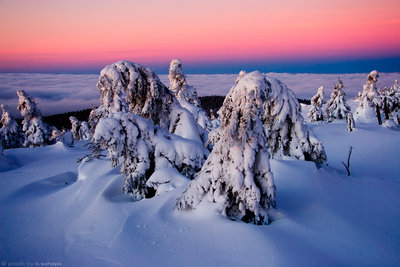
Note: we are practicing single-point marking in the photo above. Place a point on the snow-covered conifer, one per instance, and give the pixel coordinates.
(389, 99)
(237, 173)
(84, 131)
(75, 130)
(186, 94)
(366, 111)
(143, 147)
(35, 130)
(350, 122)
(10, 132)
(337, 108)
(317, 100)
(286, 133)
(146, 96)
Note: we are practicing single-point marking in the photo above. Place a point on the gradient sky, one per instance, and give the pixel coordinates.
(208, 36)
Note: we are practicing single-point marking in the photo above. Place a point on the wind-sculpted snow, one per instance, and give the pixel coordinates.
(237, 174)
(146, 96)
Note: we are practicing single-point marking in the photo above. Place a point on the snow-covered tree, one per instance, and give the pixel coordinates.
(366, 111)
(317, 100)
(237, 173)
(337, 108)
(10, 132)
(35, 130)
(350, 122)
(146, 96)
(84, 131)
(186, 94)
(389, 99)
(75, 128)
(286, 133)
(143, 147)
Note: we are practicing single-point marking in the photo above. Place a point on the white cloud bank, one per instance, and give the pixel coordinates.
(58, 93)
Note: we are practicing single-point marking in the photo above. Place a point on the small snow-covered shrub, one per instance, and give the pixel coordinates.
(237, 173)
(337, 107)
(75, 130)
(366, 111)
(186, 94)
(10, 132)
(350, 122)
(36, 132)
(84, 130)
(317, 100)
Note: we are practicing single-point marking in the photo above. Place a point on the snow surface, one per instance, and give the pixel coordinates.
(53, 212)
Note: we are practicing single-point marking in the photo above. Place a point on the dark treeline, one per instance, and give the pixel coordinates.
(61, 121)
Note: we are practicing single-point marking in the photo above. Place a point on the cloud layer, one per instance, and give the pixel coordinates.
(58, 93)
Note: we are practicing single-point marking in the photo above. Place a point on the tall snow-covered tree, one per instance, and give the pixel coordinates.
(286, 133)
(143, 147)
(366, 111)
(186, 94)
(10, 132)
(237, 173)
(389, 99)
(337, 107)
(317, 100)
(36, 132)
(75, 128)
(147, 97)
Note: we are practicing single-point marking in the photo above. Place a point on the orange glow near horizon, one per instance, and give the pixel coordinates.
(48, 32)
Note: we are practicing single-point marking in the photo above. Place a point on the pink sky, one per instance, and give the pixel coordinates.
(43, 33)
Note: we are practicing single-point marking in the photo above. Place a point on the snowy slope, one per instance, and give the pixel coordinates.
(51, 211)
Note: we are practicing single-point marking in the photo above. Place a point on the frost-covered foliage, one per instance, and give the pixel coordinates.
(237, 173)
(366, 111)
(36, 132)
(10, 132)
(350, 122)
(84, 131)
(143, 147)
(317, 100)
(75, 130)
(337, 108)
(286, 133)
(186, 94)
(389, 99)
(146, 96)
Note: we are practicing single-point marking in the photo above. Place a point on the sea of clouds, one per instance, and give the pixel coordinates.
(59, 93)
